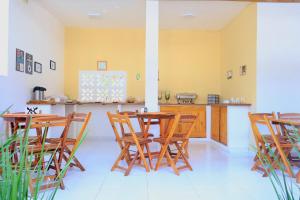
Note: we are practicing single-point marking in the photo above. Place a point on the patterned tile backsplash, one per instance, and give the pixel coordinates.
(102, 86)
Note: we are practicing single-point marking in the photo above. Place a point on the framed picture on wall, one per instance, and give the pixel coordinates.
(243, 70)
(20, 60)
(52, 65)
(229, 74)
(37, 67)
(102, 65)
(28, 63)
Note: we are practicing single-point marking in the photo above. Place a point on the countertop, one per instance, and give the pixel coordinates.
(80, 103)
(203, 104)
(125, 103)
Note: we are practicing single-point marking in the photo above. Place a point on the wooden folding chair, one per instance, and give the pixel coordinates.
(125, 142)
(132, 114)
(264, 142)
(179, 141)
(283, 148)
(42, 149)
(71, 144)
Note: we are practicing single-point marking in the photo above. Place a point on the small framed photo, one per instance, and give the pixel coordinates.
(243, 70)
(20, 60)
(28, 63)
(37, 67)
(229, 74)
(102, 65)
(52, 65)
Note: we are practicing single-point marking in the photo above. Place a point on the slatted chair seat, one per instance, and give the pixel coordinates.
(46, 148)
(172, 140)
(139, 134)
(130, 139)
(69, 141)
(269, 139)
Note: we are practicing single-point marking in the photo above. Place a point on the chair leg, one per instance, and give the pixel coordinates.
(170, 161)
(77, 163)
(286, 163)
(183, 156)
(121, 155)
(183, 146)
(161, 155)
(141, 153)
(58, 175)
(131, 164)
(149, 155)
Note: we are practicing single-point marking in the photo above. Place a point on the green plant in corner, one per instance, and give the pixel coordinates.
(283, 186)
(15, 177)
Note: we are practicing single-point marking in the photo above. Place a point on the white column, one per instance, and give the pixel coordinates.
(152, 30)
(4, 14)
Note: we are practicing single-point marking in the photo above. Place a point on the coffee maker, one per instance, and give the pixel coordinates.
(39, 93)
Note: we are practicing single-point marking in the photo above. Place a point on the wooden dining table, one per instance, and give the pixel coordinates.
(148, 119)
(290, 123)
(16, 119)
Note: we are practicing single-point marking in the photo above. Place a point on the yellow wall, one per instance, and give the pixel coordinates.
(189, 61)
(122, 49)
(238, 47)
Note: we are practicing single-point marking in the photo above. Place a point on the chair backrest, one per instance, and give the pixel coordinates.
(84, 119)
(42, 125)
(188, 122)
(128, 113)
(287, 129)
(256, 120)
(172, 126)
(122, 121)
(289, 116)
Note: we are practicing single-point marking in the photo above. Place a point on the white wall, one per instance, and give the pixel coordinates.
(4, 36)
(34, 30)
(278, 57)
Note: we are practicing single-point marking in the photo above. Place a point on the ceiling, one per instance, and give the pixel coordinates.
(209, 15)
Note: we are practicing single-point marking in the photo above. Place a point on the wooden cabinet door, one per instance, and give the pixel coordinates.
(215, 123)
(164, 123)
(223, 125)
(200, 128)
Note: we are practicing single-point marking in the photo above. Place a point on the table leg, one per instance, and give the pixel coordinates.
(298, 177)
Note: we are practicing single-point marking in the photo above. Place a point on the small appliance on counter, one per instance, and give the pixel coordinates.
(213, 99)
(39, 93)
(186, 98)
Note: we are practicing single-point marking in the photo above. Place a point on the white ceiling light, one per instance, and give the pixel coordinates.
(94, 14)
(188, 14)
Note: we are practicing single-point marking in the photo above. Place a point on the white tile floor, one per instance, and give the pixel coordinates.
(216, 175)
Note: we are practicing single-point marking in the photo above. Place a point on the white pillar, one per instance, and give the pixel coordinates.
(152, 31)
(4, 10)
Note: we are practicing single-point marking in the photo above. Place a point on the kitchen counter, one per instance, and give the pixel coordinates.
(80, 103)
(203, 104)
